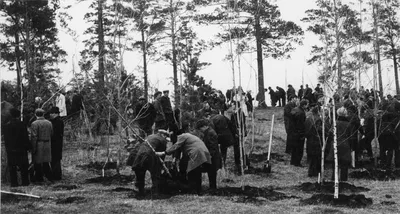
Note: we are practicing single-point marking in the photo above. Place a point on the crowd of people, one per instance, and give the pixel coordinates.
(356, 115)
(202, 145)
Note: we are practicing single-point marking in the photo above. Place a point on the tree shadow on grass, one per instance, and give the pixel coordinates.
(376, 174)
(249, 194)
(262, 157)
(328, 187)
(350, 201)
(108, 180)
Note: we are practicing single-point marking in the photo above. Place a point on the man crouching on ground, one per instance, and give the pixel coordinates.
(142, 158)
(195, 156)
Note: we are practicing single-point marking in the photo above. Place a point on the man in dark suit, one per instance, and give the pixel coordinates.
(56, 142)
(17, 145)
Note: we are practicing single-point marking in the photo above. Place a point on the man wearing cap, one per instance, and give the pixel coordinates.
(41, 132)
(169, 114)
(142, 158)
(17, 144)
(160, 122)
(145, 114)
(56, 142)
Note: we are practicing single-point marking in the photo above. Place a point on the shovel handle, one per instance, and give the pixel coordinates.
(270, 137)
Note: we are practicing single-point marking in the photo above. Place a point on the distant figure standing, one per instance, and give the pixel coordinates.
(298, 119)
(61, 104)
(17, 145)
(146, 115)
(291, 93)
(160, 121)
(300, 94)
(41, 132)
(281, 96)
(273, 96)
(56, 142)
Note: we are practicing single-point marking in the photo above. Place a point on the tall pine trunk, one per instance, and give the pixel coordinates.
(174, 61)
(377, 47)
(100, 37)
(144, 53)
(338, 48)
(261, 88)
(395, 66)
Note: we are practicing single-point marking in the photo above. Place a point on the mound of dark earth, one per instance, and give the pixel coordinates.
(99, 165)
(328, 187)
(11, 198)
(351, 201)
(376, 174)
(250, 194)
(257, 158)
(65, 187)
(70, 200)
(115, 179)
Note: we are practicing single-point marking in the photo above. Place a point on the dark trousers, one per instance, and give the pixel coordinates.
(43, 168)
(314, 166)
(140, 180)
(288, 149)
(224, 151)
(194, 178)
(236, 152)
(397, 158)
(212, 176)
(56, 168)
(24, 174)
(297, 151)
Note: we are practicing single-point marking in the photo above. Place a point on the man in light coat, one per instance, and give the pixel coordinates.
(41, 132)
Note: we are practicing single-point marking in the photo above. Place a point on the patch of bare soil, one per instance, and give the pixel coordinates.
(254, 195)
(10, 198)
(376, 174)
(262, 157)
(115, 179)
(121, 189)
(65, 187)
(388, 203)
(70, 200)
(98, 165)
(258, 171)
(351, 201)
(328, 187)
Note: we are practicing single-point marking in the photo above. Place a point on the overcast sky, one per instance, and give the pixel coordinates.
(276, 72)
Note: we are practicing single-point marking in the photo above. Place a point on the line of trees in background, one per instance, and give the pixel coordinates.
(165, 31)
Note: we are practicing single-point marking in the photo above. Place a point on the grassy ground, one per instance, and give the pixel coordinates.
(75, 195)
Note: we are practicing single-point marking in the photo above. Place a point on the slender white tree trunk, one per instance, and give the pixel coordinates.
(335, 153)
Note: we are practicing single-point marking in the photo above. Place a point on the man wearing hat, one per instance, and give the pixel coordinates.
(160, 122)
(56, 142)
(169, 114)
(145, 114)
(17, 144)
(143, 158)
(41, 132)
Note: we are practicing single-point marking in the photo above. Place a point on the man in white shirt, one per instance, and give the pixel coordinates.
(60, 103)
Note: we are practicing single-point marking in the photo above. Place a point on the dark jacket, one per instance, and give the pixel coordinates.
(313, 133)
(287, 116)
(166, 105)
(57, 138)
(210, 138)
(238, 122)
(146, 114)
(291, 93)
(160, 116)
(16, 142)
(343, 132)
(296, 126)
(222, 127)
(143, 157)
